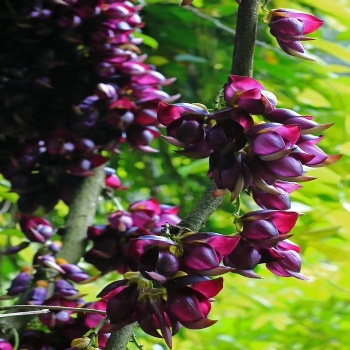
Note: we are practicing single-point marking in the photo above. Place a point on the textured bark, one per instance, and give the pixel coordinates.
(120, 339)
(244, 45)
(82, 213)
(202, 211)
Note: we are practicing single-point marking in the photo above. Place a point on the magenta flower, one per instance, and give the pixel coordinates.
(184, 123)
(155, 260)
(248, 93)
(289, 117)
(228, 165)
(244, 259)
(197, 254)
(110, 248)
(261, 233)
(36, 229)
(290, 27)
(134, 299)
(21, 282)
(267, 227)
(286, 261)
(276, 201)
(5, 345)
(121, 220)
(307, 144)
(183, 301)
(190, 305)
(203, 253)
(273, 141)
(112, 180)
(151, 215)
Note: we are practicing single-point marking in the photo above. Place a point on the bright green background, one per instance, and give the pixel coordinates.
(272, 313)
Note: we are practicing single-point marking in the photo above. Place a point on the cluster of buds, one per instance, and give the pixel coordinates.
(97, 95)
(264, 158)
(290, 27)
(182, 301)
(111, 242)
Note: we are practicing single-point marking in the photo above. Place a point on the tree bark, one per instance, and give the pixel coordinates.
(81, 215)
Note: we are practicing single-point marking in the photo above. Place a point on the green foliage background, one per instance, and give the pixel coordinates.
(196, 47)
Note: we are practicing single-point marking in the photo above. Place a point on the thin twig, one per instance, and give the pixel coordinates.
(49, 307)
(25, 313)
(228, 29)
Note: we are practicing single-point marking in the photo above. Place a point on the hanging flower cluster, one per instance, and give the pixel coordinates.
(75, 85)
(110, 250)
(264, 158)
(50, 281)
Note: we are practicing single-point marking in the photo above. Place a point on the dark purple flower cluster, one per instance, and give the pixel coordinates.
(264, 239)
(264, 158)
(182, 301)
(110, 250)
(72, 83)
(290, 27)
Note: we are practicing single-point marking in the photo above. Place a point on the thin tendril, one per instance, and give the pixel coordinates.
(264, 6)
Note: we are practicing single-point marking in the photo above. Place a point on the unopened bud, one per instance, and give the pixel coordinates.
(80, 343)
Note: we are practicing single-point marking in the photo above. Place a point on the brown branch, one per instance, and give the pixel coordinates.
(244, 45)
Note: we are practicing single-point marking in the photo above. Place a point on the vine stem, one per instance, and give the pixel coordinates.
(242, 64)
(53, 307)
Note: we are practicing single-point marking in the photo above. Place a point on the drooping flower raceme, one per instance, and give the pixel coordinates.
(267, 159)
(290, 27)
(183, 301)
(61, 111)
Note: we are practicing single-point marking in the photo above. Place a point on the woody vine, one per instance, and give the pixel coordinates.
(74, 87)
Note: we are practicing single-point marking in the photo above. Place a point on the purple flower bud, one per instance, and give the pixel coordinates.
(289, 262)
(15, 249)
(21, 283)
(73, 272)
(38, 294)
(121, 220)
(250, 94)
